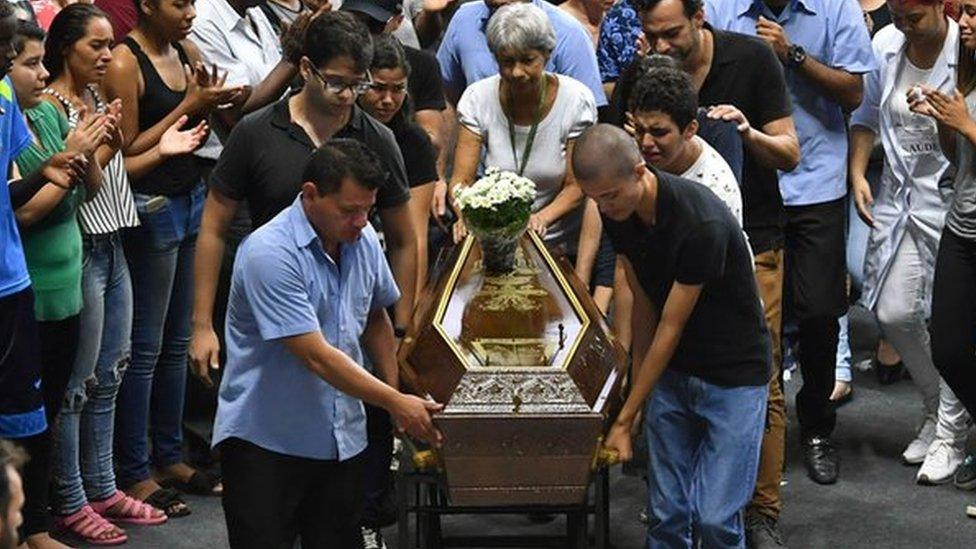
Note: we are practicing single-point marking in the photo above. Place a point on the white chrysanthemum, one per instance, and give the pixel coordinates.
(495, 188)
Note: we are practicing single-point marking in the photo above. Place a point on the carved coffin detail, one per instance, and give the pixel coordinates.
(527, 368)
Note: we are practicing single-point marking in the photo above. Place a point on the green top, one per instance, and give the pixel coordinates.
(52, 245)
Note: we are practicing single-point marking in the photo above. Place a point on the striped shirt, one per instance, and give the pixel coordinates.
(112, 208)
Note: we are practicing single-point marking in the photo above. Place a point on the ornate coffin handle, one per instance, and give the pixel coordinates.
(604, 457)
(424, 460)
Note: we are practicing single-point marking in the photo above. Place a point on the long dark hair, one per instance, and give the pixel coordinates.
(68, 27)
(966, 69)
(389, 54)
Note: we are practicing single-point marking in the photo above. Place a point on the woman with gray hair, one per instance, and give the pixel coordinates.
(525, 120)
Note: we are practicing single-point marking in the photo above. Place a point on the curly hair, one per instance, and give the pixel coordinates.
(336, 34)
(666, 90)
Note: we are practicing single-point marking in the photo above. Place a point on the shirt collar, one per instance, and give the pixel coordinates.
(225, 14)
(757, 7)
(662, 215)
(301, 228)
(356, 118)
(281, 115)
(720, 55)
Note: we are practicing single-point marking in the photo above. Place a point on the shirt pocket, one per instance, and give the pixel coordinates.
(359, 308)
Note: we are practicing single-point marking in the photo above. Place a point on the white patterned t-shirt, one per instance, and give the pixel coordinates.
(712, 171)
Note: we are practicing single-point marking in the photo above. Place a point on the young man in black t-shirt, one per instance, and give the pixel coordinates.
(743, 82)
(706, 355)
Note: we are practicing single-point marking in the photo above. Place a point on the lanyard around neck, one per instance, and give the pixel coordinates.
(535, 126)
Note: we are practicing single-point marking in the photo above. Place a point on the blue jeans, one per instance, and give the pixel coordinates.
(843, 371)
(704, 444)
(83, 460)
(160, 254)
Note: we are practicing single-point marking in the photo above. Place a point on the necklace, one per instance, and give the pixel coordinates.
(535, 126)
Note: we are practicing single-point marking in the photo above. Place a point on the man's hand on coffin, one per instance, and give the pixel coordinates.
(411, 415)
(539, 224)
(618, 439)
(460, 230)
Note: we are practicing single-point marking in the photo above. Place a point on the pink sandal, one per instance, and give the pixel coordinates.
(90, 527)
(132, 511)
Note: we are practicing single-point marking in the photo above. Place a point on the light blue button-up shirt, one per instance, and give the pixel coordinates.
(284, 284)
(833, 32)
(465, 58)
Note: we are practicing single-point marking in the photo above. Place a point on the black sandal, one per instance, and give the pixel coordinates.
(201, 483)
(170, 501)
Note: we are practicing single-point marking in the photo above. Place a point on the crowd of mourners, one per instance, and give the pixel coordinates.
(254, 191)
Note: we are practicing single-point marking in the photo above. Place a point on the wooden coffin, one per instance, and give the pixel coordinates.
(528, 370)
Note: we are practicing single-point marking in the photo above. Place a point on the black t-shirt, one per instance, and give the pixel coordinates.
(424, 84)
(265, 155)
(695, 240)
(746, 73)
(419, 157)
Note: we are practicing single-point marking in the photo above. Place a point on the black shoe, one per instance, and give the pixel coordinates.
(762, 532)
(965, 478)
(889, 374)
(821, 460)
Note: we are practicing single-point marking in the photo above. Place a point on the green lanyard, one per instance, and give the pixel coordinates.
(535, 126)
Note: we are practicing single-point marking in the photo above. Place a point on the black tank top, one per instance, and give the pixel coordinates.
(177, 175)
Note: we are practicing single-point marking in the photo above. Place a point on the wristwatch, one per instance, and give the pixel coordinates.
(795, 56)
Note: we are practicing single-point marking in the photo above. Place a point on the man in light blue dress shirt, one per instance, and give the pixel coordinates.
(465, 58)
(309, 293)
(825, 49)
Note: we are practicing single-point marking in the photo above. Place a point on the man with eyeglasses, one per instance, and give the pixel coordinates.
(264, 155)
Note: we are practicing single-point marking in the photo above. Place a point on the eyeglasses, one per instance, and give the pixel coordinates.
(338, 85)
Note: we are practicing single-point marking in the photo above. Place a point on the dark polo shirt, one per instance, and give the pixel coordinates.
(266, 153)
(746, 73)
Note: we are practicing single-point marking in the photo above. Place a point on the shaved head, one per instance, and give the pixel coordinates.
(608, 167)
(604, 151)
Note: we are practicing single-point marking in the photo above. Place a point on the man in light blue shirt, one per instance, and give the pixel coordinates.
(825, 49)
(309, 292)
(465, 58)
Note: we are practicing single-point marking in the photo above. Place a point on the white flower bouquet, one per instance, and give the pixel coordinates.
(496, 210)
(496, 201)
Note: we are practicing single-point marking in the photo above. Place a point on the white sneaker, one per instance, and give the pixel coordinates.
(940, 463)
(916, 451)
(373, 539)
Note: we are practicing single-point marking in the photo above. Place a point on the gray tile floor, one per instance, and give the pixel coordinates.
(875, 505)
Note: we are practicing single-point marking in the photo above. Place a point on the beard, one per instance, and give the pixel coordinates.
(682, 55)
